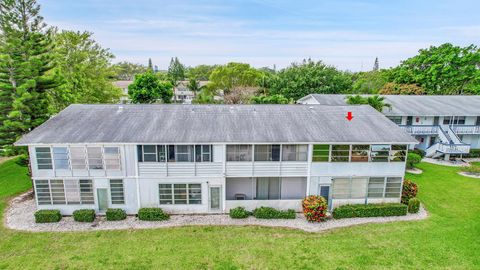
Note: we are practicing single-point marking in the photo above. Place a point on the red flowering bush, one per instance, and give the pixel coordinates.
(315, 208)
(409, 191)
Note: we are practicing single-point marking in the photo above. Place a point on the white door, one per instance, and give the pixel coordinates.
(215, 200)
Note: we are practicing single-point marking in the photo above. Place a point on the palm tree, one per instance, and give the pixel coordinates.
(378, 102)
(194, 86)
(356, 100)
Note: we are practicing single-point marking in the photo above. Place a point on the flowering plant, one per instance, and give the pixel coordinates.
(315, 208)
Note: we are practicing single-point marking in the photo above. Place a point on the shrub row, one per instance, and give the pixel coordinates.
(239, 212)
(47, 216)
(152, 214)
(84, 215)
(272, 213)
(370, 210)
(114, 214)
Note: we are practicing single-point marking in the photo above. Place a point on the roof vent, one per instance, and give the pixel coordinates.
(120, 109)
(311, 108)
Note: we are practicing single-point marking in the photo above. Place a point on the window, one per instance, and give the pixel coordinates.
(112, 158)
(393, 187)
(151, 153)
(42, 190)
(180, 193)
(376, 186)
(60, 158)
(116, 191)
(398, 153)
(349, 188)
(379, 152)
(360, 153)
(70, 191)
(395, 119)
(203, 153)
(268, 152)
(58, 192)
(321, 152)
(94, 155)
(44, 158)
(184, 153)
(454, 120)
(340, 153)
(460, 120)
(77, 158)
(268, 188)
(86, 191)
(239, 153)
(293, 152)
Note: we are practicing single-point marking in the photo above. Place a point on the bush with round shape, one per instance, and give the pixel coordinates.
(412, 160)
(152, 214)
(84, 215)
(239, 212)
(114, 214)
(419, 152)
(47, 216)
(315, 208)
(409, 191)
(413, 205)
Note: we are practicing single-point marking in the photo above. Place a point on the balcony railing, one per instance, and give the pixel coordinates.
(465, 129)
(421, 130)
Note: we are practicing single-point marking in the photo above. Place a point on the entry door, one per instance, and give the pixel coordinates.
(324, 191)
(102, 196)
(436, 120)
(215, 201)
(409, 120)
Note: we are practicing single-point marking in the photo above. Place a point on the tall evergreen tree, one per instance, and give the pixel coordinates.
(176, 70)
(376, 66)
(25, 62)
(150, 65)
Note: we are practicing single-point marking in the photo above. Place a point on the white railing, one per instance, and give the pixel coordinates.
(159, 169)
(420, 130)
(454, 148)
(465, 129)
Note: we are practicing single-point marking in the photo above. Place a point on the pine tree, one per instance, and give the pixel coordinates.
(376, 65)
(150, 65)
(176, 70)
(25, 61)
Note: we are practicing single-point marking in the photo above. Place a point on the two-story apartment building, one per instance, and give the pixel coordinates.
(443, 125)
(210, 158)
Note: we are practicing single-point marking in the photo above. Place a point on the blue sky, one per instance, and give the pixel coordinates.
(346, 34)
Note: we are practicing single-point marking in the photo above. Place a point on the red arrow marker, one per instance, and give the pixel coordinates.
(349, 116)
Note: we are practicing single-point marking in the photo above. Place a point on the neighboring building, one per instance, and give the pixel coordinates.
(210, 158)
(444, 125)
(124, 86)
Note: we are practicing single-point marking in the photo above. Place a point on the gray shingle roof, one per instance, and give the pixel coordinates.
(405, 105)
(215, 124)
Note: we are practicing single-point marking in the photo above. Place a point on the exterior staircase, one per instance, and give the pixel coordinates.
(449, 144)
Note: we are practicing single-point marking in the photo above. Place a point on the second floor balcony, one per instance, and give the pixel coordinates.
(434, 129)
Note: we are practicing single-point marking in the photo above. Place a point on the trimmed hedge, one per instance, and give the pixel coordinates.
(412, 160)
(84, 215)
(413, 205)
(47, 216)
(370, 210)
(315, 208)
(239, 212)
(474, 153)
(152, 214)
(272, 213)
(114, 214)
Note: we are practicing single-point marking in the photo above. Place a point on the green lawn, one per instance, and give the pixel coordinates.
(449, 239)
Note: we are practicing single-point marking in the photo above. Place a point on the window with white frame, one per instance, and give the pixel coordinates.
(44, 158)
(395, 119)
(77, 158)
(117, 193)
(360, 153)
(267, 152)
(376, 187)
(95, 158)
(183, 153)
(321, 153)
(60, 158)
(398, 153)
(71, 191)
(340, 153)
(239, 152)
(112, 158)
(294, 152)
(393, 187)
(203, 153)
(268, 188)
(349, 188)
(180, 193)
(379, 152)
